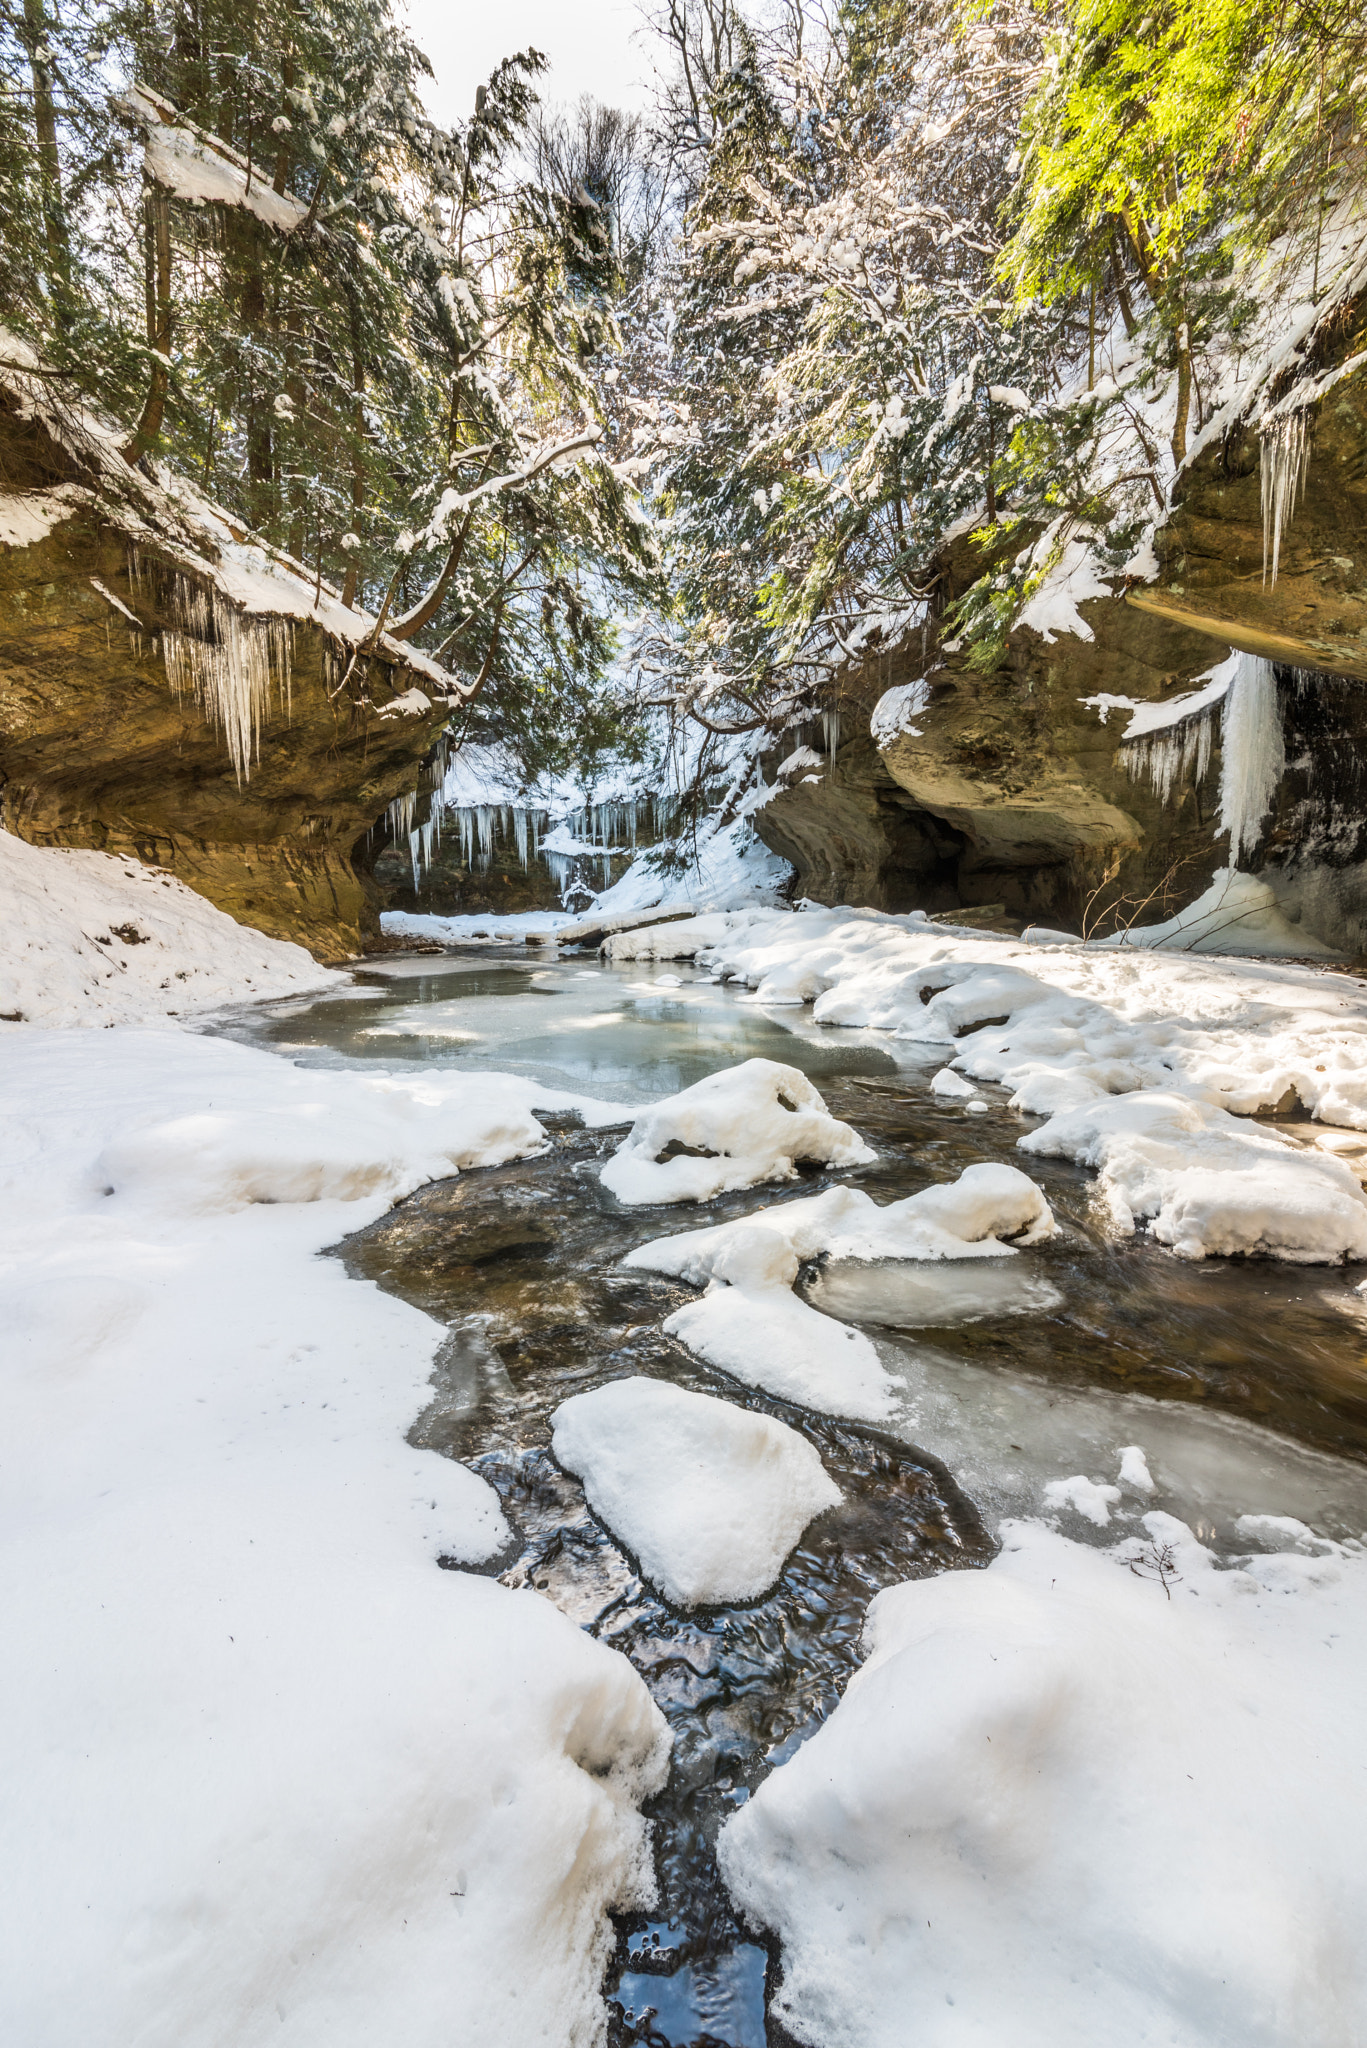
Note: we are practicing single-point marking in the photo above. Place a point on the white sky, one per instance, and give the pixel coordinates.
(593, 46)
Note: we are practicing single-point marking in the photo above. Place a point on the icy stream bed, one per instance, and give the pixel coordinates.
(1244, 1384)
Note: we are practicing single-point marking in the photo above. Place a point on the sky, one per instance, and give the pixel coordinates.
(593, 45)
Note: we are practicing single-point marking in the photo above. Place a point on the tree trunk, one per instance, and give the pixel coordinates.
(50, 164)
(157, 217)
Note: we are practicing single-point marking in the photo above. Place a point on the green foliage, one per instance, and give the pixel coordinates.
(1175, 130)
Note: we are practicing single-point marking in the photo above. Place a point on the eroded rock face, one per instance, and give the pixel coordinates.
(98, 750)
(1214, 574)
(1021, 784)
(852, 832)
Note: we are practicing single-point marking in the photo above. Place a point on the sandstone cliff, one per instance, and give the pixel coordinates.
(172, 690)
(1013, 788)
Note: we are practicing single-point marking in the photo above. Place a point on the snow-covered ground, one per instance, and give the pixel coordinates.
(1146, 1063)
(268, 1773)
(92, 939)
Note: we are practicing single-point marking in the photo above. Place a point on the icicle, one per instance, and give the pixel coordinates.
(484, 826)
(225, 659)
(1170, 756)
(414, 842)
(1253, 754)
(399, 814)
(520, 834)
(1285, 460)
(830, 726)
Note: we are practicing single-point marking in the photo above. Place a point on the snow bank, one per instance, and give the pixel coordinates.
(1142, 1058)
(1236, 914)
(87, 938)
(731, 1130)
(268, 1773)
(708, 1497)
(1081, 1796)
(750, 1323)
(730, 866)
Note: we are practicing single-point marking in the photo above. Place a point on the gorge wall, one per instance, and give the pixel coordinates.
(1011, 788)
(142, 638)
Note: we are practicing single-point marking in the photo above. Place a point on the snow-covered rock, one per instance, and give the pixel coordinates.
(1145, 1060)
(962, 1219)
(268, 1773)
(90, 938)
(732, 1129)
(710, 1498)
(751, 1324)
(1081, 1796)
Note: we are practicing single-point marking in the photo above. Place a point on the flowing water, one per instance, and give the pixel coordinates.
(1244, 1383)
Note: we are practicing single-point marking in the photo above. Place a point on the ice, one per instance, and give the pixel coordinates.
(731, 1130)
(917, 1296)
(709, 1497)
(1285, 459)
(1253, 755)
(92, 939)
(1082, 1795)
(268, 1772)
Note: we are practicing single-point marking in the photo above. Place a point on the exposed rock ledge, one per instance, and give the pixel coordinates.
(1021, 787)
(140, 634)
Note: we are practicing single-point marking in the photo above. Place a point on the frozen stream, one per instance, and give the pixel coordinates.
(1245, 1385)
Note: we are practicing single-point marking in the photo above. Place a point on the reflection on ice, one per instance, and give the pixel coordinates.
(912, 1295)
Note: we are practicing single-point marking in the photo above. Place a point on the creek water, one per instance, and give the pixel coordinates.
(1244, 1383)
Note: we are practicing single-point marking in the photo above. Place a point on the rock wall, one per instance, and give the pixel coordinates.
(97, 749)
(1009, 787)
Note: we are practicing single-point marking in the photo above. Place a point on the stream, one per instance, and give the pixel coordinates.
(1244, 1383)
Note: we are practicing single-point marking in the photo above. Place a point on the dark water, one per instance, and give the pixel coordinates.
(1235, 1375)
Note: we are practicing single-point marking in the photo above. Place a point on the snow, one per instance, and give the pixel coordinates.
(750, 1324)
(1237, 913)
(197, 166)
(744, 1125)
(953, 1085)
(895, 709)
(730, 866)
(269, 1773)
(29, 517)
(709, 1497)
(1083, 1795)
(1067, 571)
(1145, 1062)
(89, 938)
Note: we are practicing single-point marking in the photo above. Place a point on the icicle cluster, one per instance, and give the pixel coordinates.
(226, 659)
(1166, 757)
(1285, 459)
(1253, 757)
